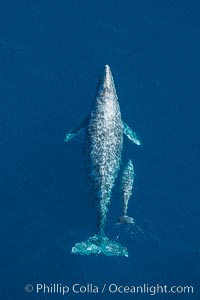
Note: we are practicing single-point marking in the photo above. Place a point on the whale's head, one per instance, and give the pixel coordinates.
(106, 86)
(107, 79)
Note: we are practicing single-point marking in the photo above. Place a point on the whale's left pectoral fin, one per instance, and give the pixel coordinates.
(76, 130)
(131, 134)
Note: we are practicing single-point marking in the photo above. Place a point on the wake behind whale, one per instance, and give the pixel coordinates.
(104, 143)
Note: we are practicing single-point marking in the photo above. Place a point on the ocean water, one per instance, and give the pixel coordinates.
(51, 54)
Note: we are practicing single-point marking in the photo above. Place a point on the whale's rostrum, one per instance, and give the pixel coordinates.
(103, 143)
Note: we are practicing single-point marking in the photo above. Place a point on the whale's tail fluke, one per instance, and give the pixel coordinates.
(99, 244)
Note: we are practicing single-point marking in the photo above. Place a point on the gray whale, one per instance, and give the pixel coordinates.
(104, 143)
(127, 187)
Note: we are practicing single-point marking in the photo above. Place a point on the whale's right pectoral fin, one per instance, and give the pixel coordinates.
(76, 130)
(131, 134)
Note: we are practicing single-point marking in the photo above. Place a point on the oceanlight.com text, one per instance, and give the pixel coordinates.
(112, 288)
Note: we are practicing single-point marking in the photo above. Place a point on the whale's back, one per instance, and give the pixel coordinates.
(104, 142)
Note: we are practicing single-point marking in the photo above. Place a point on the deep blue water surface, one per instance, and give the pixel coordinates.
(51, 54)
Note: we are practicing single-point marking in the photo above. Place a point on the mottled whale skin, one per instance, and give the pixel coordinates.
(127, 187)
(104, 144)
